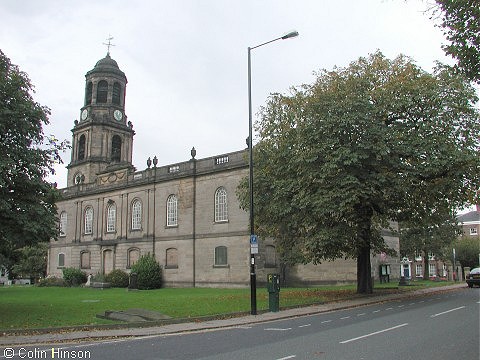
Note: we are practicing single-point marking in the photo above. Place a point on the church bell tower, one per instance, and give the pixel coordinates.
(102, 138)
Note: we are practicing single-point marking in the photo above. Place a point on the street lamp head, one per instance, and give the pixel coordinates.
(291, 34)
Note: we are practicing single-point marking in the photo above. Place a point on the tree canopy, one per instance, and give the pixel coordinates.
(27, 200)
(378, 141)
(460, 21)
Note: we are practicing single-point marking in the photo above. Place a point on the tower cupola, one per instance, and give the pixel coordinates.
(102, 138)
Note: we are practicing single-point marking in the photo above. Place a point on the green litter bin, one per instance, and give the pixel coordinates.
(273, 287)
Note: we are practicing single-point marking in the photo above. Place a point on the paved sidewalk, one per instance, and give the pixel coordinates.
(103, 334)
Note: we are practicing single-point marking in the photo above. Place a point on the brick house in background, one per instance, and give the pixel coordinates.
(470, 222)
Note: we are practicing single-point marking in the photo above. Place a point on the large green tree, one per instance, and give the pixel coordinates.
(27, 156)
(460, 22)
(376, 141)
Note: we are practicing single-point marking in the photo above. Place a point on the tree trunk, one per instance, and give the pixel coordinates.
(364, 266)
(426, 263)
(364, 271)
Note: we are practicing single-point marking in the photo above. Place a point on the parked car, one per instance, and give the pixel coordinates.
(474, 277)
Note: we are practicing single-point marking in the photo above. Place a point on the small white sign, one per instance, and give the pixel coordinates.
(253, 248)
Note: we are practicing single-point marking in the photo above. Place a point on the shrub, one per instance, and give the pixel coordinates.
(74, 277)
(117, 278)
(149, 273)
(51, 281)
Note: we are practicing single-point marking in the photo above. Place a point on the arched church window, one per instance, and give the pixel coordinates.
(63, 223)
(116, 148)
(88, 93)
(88, 220)
(136, 215)
(221, 256)
(61, 260)
(102, 91)
(172, 210)
(117, 90)
(133, 254)
(85, 259)
(270, 256)
(81, 148)
(221, 207)
(111, 217)
(171, 261)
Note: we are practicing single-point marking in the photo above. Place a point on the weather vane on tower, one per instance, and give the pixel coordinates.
(109, 44)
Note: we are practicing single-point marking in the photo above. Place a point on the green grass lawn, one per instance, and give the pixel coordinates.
(28, 307)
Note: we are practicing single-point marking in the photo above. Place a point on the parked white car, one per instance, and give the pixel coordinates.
(474, 277)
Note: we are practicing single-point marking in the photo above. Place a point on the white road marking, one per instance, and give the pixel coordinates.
(326, 321)
(362, 314)
(376, 311)
(400, 306)
(345, 317)
(288, 357)
(277, 329)
(374, 333)
(306, 325)
(390, 308)
(446, 312)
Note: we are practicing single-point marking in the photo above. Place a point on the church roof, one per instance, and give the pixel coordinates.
(107, 61)
(107, 65)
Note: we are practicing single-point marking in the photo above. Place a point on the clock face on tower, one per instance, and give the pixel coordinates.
(84, 114)
(117, 114)
(79, 178)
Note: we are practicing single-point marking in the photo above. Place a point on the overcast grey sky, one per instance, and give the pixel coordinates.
(186, 60)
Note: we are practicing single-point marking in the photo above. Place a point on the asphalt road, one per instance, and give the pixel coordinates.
(440, 326)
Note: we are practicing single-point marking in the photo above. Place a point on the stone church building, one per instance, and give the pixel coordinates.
(186, 214)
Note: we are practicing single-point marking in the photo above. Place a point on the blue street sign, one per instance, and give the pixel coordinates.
(253, 239)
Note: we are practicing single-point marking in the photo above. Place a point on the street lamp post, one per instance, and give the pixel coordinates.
(253, 276)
